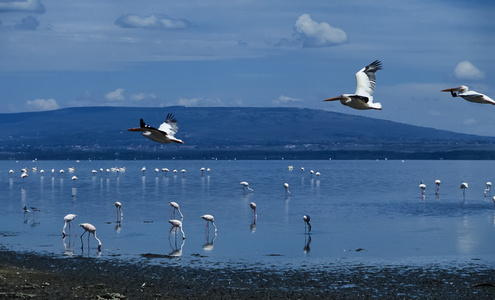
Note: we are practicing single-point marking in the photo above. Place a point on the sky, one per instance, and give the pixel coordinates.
(251, 53)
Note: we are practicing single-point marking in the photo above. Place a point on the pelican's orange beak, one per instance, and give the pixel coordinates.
(456, 89)
(334, 98)
(135, 129)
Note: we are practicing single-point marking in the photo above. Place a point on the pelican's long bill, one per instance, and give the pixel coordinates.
(456, 89)
(334, 98)
(135, 129)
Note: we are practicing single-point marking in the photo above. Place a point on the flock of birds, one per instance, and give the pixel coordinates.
(463, 187)
(175, 222)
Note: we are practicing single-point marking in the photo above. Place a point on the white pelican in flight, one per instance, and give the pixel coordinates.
(164, 134)
(471, 96)
(362, 98)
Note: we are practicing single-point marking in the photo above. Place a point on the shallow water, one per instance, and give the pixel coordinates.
(361, 211)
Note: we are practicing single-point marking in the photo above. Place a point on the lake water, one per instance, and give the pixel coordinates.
(361, 211)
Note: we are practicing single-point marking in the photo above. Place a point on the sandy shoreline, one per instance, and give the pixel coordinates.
(36, 276)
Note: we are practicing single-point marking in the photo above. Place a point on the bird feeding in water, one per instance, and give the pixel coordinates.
(422, 186)
(91, 229)
(118, 205)
(286, 186)
(362, 98)
(175, 206)
(164, 134)
(437, 186)
(177, 224)
(464, 186)
(245, 186)
(208, 219)
(471, 96)
(68, 220)
(306, 219)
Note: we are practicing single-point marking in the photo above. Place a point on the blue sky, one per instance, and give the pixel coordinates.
(59, 53)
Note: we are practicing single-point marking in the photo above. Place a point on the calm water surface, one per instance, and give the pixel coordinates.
(361, 211)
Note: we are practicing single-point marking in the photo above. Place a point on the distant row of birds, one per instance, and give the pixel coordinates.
(463, 187)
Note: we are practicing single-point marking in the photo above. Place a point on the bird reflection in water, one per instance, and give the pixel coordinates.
(68, 250)
(176, 250)
(208, 246)
(307, 241)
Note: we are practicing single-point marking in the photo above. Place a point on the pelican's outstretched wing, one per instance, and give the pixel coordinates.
(366, 79)
(170, 126)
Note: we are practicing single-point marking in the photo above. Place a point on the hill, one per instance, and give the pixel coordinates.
(228, 132)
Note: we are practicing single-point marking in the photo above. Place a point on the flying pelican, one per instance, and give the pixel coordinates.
(488, 187)
(464, 186)
(366, 81)
(118, 205)
(177, 224)
(245, 186)
(91, 229)
(306, 219)
(422, 186)
(286, 186)
(68, 219)
(164, 134)
(253, 207)
(175, 206)
(208, 219)
(437, 184)
(471, 96)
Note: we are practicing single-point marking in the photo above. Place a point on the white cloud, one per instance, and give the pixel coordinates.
(142, 96)
(34, 6)
(152, 22)
(117, 95)
(314, 34)
(466, 70)
(41, 104)
(286, 100)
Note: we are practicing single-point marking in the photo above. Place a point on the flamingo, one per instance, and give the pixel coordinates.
(68, 219)
(11, 171)
(253, 207)
(143, 169)
(175, 206)
(366, 81)
(306, 219)
(437, 184)
(177, 224)
(208, 219)
(24, 175)
(422, 186)
(488, 187)
(471, 96)
(118, 205)
(286, 186)
(91, 229)
(464, 186)
(202, 171)
(164, 134)
(245, 186)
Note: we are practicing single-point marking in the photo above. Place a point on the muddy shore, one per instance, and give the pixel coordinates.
(36, 276)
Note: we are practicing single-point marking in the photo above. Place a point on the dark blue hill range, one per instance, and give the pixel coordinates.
(227, 133)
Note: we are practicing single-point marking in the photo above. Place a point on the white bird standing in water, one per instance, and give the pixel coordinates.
(68, 220)
(286, 186)
(175, 206)
(437, 186)
(91, 229)
(306, 219)
(245, 186)
(118, 205)
(366, 81)
(464, 186)
(208, 219)
(422, 186)
(164, 134)
(488, 187)
(253, 207)
(177, 224)
(471, 96)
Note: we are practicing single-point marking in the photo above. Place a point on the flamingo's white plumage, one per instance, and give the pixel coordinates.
(471, 96)
(245, 186)
(67, 220)
(208, 219)
(175, 206)
(437, 185)
(177, 224)
(91, 229)
(362, 98)
(164, 134)
(118, 205)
